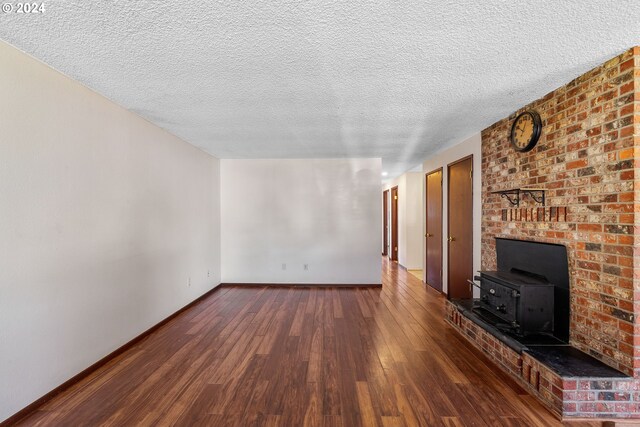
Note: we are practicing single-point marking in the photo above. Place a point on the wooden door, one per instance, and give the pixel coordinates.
(460, 229)
(385, 222)
(394, 224)
(433, 229)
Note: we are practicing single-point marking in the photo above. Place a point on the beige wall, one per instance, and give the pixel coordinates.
(322, 213)
(108, 224)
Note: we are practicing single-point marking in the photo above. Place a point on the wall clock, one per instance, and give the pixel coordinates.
(526, 130)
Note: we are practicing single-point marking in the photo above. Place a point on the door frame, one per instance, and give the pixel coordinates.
(426, 201)
(385, 222)
(394, 225)
(470, 156)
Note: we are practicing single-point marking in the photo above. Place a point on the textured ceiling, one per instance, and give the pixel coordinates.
(354, 78)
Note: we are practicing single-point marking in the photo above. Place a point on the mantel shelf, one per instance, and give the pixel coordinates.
(513, 195)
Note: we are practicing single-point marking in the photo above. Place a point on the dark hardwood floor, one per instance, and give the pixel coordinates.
(298, 356)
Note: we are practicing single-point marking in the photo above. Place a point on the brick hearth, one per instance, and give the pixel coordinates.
(566, 397)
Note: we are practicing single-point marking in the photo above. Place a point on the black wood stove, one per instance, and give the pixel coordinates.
(529, 293)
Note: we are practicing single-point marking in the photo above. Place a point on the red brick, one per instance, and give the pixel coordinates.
(590, 227)
(577, 164)
(628, 87)
(570, 385)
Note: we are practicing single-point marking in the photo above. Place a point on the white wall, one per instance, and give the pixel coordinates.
(321, 212)
(470, 146)
(103, 220)
(410, 219)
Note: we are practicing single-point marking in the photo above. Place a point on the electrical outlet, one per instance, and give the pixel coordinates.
(306, 267)
(284, 266)
(208, 273)
(189, 281)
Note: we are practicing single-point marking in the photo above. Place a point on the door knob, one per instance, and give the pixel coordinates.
(451, 239)
(428, 235)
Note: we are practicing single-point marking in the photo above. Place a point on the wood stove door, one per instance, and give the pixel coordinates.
(460, 219)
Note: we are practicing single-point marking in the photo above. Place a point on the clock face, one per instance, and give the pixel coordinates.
(526, 130)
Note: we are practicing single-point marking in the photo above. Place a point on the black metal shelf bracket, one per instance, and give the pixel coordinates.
(513, 195)
(536, 194)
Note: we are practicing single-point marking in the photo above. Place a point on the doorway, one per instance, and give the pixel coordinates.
(394, 224)
(385, 222)
(460, 228)
(433, 227)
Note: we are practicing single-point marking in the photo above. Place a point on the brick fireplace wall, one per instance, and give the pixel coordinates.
(586, 160)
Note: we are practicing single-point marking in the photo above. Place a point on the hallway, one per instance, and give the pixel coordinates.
(302, 356)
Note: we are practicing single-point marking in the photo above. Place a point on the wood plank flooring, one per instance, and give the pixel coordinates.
(269, 356)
